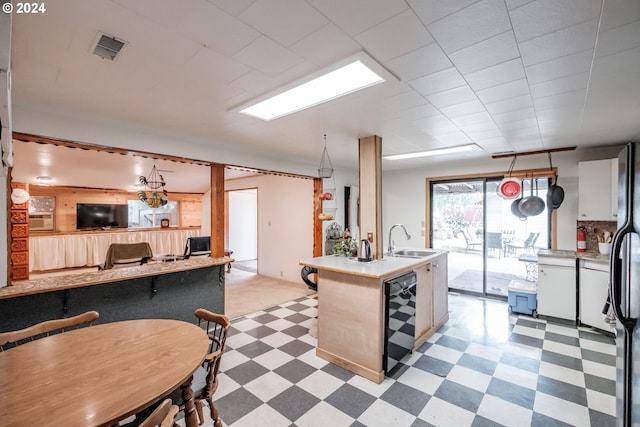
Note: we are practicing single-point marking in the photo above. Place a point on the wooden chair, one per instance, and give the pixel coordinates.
(205, 379)
(163, 416)
(15, 338)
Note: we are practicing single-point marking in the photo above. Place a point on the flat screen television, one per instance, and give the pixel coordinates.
(95, 216)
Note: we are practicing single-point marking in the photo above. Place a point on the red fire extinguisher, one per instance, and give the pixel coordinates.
(582, 239)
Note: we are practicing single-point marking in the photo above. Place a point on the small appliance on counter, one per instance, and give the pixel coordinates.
(364, 251)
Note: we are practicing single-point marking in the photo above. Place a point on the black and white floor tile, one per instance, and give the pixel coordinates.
(485, 367)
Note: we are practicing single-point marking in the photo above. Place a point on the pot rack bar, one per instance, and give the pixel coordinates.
(529, 153)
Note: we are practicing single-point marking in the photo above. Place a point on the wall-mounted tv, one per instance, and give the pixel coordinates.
(95, 216)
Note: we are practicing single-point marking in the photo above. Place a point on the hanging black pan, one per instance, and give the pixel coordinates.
(555, 195)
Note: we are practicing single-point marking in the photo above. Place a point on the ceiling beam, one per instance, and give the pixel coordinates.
(529, 153)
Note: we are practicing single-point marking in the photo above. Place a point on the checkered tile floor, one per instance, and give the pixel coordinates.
(485, 367)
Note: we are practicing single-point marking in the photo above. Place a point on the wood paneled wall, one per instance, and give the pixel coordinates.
(189, 204)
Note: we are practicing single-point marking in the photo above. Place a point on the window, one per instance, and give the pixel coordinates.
(142, 216)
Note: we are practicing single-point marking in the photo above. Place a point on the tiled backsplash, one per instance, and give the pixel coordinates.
(600, 226)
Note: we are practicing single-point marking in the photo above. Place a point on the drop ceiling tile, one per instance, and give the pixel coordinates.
(560, 67)
(487, 53)
(167, 15)
(542, 17)
(619, 39)
(420, 62)
(436, 125)
(452, 97)
(415, 113)
(326, 46)
(356, 16)
(480, 21)
(510, 104)
(210, 65)
(267, 56)
(619, 12)
(405, 101)
(613, 72)
(489, 135)
(560, 85)
(433, 10)
(515, 116)
(463, 109)
(476, 123)
(523, 127)
(394, 37)
(454, 138)
(496, 75)
(438, 81)
(560, 43)
(285, 21)
(210, 26)
(503, 91)
(513, 4)
(574, 97)
(232, 7)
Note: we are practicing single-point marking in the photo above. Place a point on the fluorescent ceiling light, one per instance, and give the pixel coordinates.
(353, 76)
(436, 152)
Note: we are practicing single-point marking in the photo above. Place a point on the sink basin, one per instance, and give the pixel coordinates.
(414, 253)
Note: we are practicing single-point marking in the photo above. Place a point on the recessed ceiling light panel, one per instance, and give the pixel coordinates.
(436, 152)
(347, 76)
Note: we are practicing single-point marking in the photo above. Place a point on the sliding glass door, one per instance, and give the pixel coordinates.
(488, 245)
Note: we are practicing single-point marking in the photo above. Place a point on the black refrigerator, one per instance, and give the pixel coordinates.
(624, 288)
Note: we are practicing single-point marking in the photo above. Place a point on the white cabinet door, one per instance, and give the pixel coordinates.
(598, 190)
(594, 287)
(557, 291)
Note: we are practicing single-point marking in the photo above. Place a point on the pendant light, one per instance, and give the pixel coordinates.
(326, 168)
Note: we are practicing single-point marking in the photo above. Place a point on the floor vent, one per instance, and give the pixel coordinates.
(108, 47)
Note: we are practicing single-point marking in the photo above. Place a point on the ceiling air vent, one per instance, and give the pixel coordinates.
(108, 47)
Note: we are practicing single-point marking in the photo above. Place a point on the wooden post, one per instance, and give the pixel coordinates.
(217, 210)
(317, 224)
(370, 182)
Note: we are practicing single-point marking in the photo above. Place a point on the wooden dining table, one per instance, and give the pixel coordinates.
(100, 375)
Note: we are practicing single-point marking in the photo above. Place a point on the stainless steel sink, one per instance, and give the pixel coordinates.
(414, 253)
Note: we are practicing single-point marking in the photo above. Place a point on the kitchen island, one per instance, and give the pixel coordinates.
(351, 307)
(166, 290)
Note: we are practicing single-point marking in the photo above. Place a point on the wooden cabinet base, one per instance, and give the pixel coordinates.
(370, 374)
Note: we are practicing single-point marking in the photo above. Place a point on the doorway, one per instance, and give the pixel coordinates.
(243, 228)
(488, 245)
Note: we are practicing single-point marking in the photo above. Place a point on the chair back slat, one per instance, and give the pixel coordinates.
(162, 416)
(14, 338)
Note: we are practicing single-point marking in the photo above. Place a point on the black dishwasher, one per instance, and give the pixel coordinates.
(399, 319)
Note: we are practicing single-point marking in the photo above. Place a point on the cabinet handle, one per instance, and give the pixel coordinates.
(436, 265)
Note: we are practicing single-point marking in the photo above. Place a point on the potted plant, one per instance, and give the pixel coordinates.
(346, 247)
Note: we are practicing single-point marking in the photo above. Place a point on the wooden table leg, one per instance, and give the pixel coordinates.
(190, 415)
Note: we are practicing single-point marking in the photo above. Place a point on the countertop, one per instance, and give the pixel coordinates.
(589, 256)
(380, 268)
(56, 283)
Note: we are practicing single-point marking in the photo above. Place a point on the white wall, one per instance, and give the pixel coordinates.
(285, 222)
(243, 224)
(404, 192)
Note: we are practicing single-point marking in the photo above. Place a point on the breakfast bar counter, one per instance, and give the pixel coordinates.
(169, 290)
(353, 313)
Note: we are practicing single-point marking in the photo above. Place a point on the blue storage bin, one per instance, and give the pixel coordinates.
(523, 297)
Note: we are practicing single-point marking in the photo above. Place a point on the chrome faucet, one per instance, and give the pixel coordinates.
(392, 245)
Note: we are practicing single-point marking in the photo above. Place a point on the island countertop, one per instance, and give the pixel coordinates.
(385, 267)
(56, 283)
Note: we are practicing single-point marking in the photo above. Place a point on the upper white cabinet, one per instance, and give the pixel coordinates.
(598, 190)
